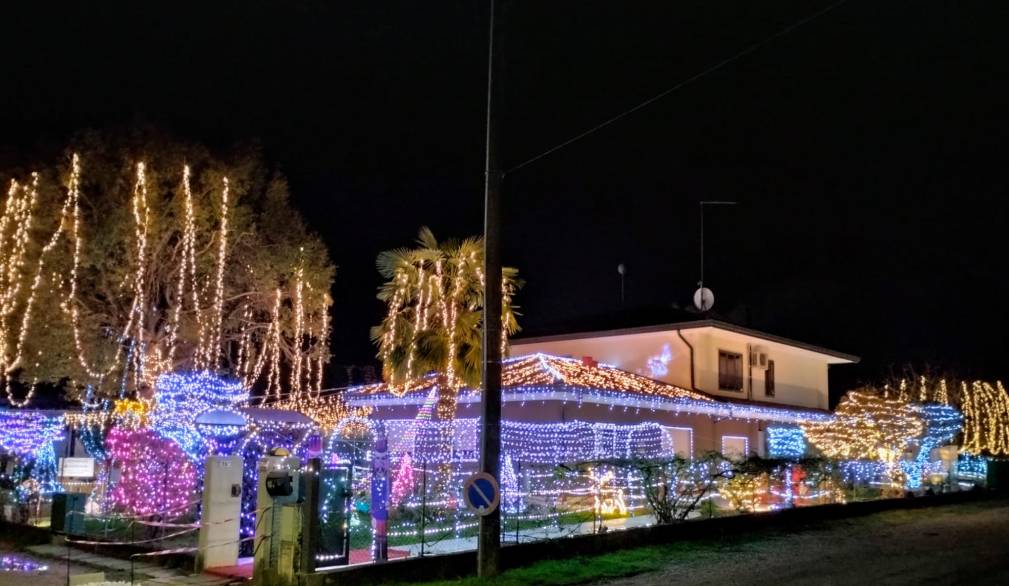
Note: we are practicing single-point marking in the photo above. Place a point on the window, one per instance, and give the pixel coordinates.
(769, 379)
(681, 440)
(730, 371)
(735, 447)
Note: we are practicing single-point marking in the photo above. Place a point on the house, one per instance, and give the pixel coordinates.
(711, 356)
(562, 410)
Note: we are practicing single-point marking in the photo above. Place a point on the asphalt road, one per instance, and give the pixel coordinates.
(959, 544)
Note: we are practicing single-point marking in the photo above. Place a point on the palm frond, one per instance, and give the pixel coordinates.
(426, 239)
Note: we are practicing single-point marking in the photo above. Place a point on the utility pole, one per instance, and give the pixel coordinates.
(489, 541)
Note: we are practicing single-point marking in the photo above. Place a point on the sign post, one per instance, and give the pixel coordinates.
(482, 494)
(489, 540)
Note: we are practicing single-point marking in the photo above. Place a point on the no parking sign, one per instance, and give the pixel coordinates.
(481, 493)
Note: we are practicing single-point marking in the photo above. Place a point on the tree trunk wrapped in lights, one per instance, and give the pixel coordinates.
(434, 295)
(146, 256)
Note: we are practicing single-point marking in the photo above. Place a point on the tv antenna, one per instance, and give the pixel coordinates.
(623, 271)
(704, 299)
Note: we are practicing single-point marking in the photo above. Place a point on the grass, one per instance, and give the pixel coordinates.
(618, 564)
(630, 562)
(445, 528)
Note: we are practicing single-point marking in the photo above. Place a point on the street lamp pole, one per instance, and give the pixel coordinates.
(489, 541)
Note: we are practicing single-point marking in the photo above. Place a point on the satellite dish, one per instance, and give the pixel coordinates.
(704, 299)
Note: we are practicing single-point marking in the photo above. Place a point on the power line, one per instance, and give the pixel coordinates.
(746, 51)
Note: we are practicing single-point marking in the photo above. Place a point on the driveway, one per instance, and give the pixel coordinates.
(945, 545)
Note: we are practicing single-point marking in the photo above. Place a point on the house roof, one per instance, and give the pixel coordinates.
(543, 377)
(687, 325)
(544, 370)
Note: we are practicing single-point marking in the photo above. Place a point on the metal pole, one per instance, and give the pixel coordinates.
(701, 204)
(700, 284)
(518, 488)
(489, 541)
(423, 504)
(490, 524)
(311, 530)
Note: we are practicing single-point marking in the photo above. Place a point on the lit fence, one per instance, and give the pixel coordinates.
(427, 514)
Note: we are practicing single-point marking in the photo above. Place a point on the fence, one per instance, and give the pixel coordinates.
(427, 514)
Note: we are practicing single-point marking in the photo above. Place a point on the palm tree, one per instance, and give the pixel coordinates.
(434, 324)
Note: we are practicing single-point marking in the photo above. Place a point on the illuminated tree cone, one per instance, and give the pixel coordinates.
(156, 476)
(511, 494)
(403, 482)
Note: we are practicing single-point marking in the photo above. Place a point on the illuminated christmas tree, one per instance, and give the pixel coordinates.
(511, 496)
(402, 484)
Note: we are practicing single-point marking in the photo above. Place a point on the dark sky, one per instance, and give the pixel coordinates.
(867, 148)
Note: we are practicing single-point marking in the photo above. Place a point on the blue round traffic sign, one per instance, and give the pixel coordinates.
(481, 493)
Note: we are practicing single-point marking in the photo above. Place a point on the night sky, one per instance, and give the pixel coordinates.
(867, 149)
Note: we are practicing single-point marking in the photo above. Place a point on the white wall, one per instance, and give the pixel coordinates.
(658, 355)
(800, 374)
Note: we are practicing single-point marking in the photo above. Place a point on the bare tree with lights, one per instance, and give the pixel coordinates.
(675, 488)
(142, 255)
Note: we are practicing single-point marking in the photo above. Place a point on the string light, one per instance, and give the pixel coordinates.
(542, 377)
(403, 482)
(141, 219)
(25, 434)
(131, 413)
(786, 443)
(328, 412)
(156, 475)
(865, 426)
(214, 346)
(182, 397)
(70, 305)
(942, 424)
(984, 406)
(147, 353)
(986, 414)
(970, 467)
(299, 331)
(273, 380)
(13, 563)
